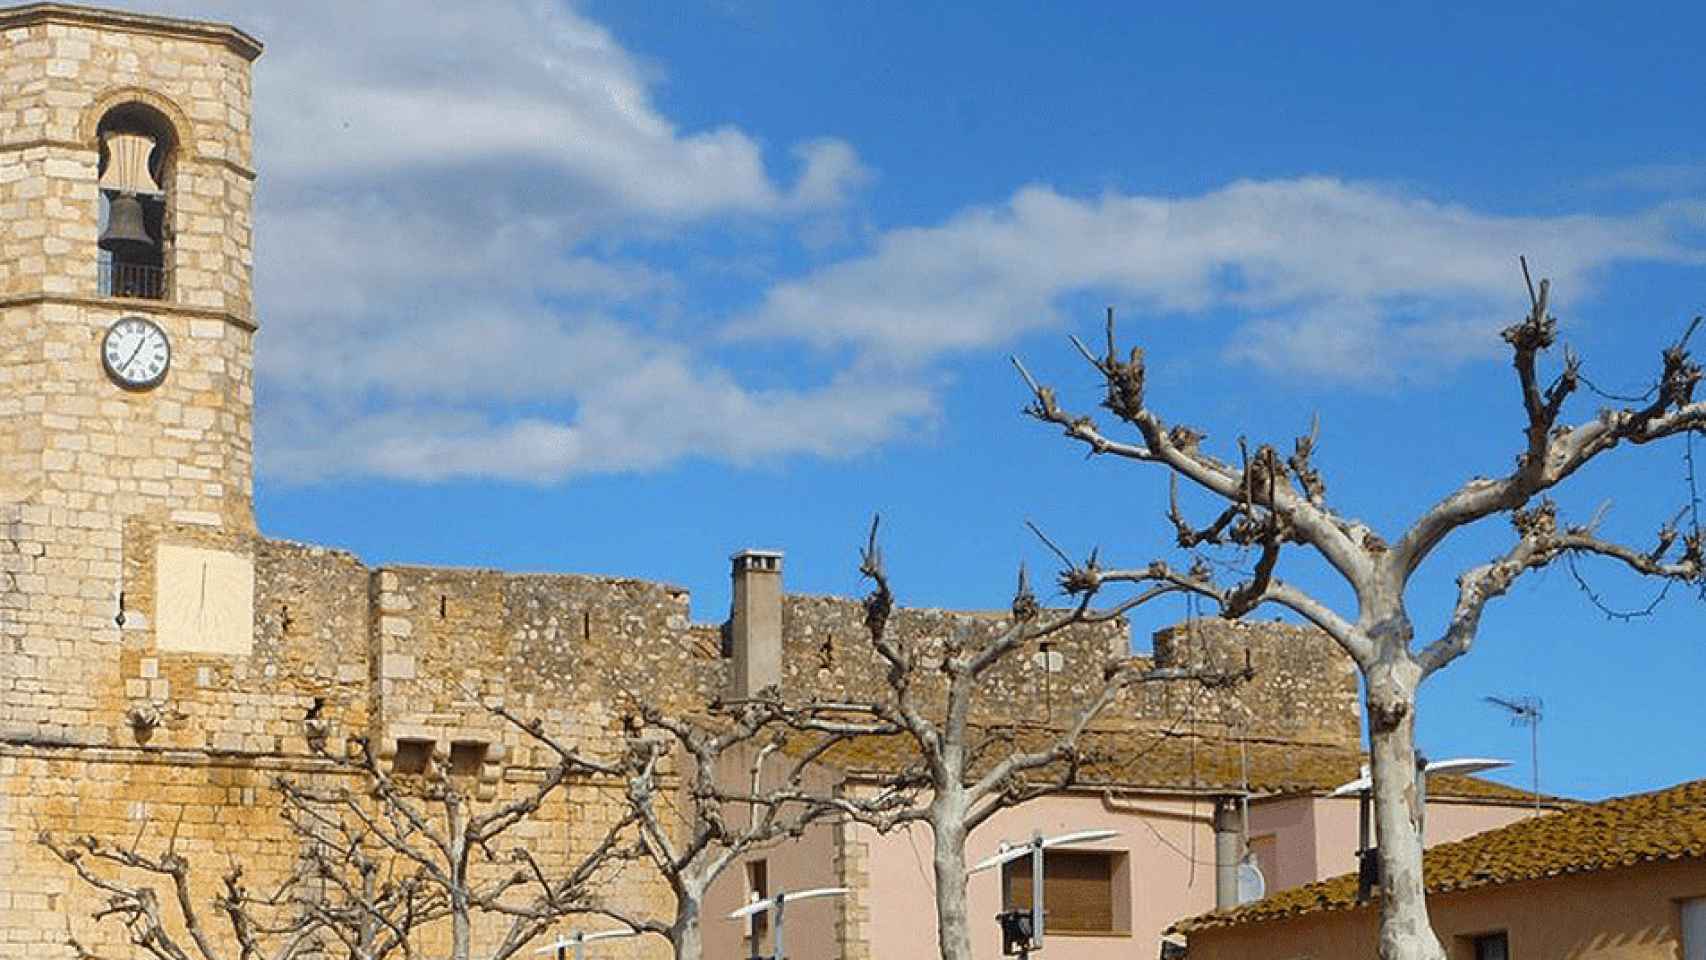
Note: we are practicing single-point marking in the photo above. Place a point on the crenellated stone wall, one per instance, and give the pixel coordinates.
(1304, 687)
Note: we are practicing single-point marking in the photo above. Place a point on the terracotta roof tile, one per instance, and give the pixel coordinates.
(1664, 825)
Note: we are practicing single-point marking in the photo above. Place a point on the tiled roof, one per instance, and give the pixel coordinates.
(1663, 825)
(1160, 759)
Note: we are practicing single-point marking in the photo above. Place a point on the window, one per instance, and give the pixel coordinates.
(1694, 929)
(1083, 891)
(466, 758)
(1492, 946)
(412, 758)
(757, 888)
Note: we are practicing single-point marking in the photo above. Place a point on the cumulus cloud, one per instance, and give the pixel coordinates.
(449, 215)
(637, 406)
(476, 257)
(1343, 279)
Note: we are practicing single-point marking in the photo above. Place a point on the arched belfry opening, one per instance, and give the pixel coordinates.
(138, 147)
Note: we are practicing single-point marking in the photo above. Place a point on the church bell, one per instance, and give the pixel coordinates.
(126, 176)
(126, 233)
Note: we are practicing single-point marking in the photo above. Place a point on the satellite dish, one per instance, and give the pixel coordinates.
(1252, 886)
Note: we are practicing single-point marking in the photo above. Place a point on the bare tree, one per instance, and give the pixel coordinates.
(967, 771)
(696, 824)
(1269, 501)
(380, 867)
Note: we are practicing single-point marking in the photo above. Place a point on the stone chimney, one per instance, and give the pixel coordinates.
(755, 622)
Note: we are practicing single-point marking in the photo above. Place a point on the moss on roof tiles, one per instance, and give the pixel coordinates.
(1666, 824)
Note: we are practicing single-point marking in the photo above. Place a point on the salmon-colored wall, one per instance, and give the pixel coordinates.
(1625, 914)
(1291, 823)
(1314, 838)
(797, 864)
(1159, 882)
(1335, 833)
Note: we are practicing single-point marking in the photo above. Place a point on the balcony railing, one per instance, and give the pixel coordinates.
(134, 280)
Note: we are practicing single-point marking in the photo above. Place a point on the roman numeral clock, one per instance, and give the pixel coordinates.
(136, 353)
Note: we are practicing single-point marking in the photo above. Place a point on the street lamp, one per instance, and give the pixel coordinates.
(1022, 931)
(1368, 855)
(579, 940)
(775, 905)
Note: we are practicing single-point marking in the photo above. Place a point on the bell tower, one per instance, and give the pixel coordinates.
(126, 354)
(126, 317)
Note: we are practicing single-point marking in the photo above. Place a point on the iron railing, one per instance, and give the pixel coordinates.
(134, 280)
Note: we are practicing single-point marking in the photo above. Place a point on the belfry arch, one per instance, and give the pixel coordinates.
(139, 145)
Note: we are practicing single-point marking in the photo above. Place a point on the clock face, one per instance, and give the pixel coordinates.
(136, 353)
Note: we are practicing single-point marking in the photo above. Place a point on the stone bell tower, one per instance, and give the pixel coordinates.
(126, 317)
(126, 343)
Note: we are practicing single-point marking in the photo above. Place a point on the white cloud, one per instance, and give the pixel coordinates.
(1345, 279)
(469, 218)
(625, 419)
(385, 89)
(449, 206)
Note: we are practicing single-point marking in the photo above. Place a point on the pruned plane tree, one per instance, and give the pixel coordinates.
(1270, 502)
(965, 770)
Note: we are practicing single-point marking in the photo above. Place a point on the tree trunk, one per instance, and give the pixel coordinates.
(1405, 933)
(461, 933)
(952, 934)
(685, 933)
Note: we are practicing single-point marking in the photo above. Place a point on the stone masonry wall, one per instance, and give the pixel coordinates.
(384, 654)
(1304, 687)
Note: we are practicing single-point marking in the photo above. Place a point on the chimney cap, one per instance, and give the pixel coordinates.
(766, 560)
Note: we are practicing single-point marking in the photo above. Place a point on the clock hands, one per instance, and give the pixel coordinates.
(141, 341)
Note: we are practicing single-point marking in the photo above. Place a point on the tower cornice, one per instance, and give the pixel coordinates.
(29, 14)
(131, 305)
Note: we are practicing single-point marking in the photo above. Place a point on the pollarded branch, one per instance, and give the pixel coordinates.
(1263, 483)
(1540, 542)
(1552, 453)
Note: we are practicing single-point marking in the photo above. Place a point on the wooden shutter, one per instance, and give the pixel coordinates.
(1078, 890)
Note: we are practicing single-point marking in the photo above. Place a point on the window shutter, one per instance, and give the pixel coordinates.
(1078, 890)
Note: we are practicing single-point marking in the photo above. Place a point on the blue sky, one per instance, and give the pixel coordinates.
(622, 288)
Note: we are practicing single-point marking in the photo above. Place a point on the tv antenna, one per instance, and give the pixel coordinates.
(1526, 712)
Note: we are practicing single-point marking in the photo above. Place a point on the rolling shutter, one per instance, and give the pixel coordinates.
(1078, 890)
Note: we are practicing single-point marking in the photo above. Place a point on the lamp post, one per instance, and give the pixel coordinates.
(1022, 932)
(776, 906)
(578, 941)
(1368, 855)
